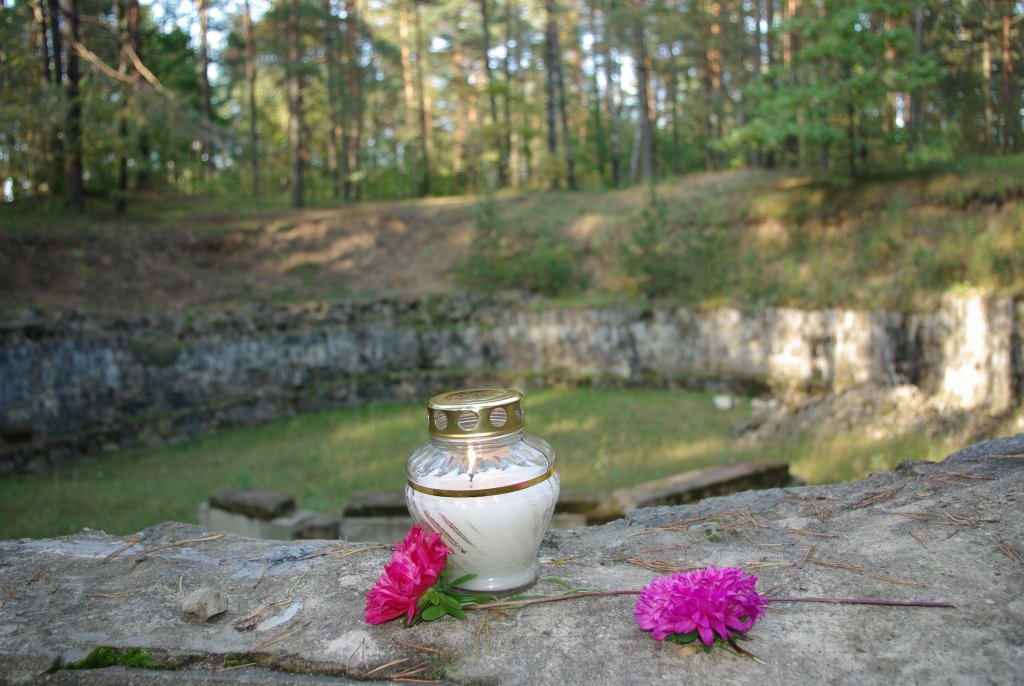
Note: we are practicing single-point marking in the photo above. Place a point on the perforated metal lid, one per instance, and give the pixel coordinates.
(475, 413)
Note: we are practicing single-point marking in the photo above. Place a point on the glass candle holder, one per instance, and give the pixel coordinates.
(485, 485)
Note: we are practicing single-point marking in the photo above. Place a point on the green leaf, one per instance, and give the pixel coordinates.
(463, 579)
(450, 603)
(682, 639)
(433, 612)
(564, 584)
(474, 598)
(456, 612)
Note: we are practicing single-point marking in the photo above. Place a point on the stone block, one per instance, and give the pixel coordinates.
(216, 519)
(285, 527)
(376, 504)
(322, 525)
(253, 502)
(567, 520)
(385, 530)
(694, 485)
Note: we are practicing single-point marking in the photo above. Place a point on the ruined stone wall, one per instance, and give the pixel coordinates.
(76, 385)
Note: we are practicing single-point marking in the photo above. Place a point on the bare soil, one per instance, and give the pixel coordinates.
(216, 258)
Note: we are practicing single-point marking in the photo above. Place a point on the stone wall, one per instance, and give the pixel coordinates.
(76, 384)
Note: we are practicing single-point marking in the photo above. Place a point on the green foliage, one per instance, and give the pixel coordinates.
(833, 103)
(444, 599)
(685, 261)
(530, 256)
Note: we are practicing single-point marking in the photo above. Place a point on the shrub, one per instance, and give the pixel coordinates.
(666, 259)
(530, 257)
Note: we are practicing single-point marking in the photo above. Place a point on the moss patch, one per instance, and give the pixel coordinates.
(105, 656)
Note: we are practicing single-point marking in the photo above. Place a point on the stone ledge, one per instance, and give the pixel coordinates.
(924, 532)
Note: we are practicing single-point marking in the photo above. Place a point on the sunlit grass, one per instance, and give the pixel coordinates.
(604, 439)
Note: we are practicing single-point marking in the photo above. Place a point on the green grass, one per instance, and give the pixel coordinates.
(604, 439)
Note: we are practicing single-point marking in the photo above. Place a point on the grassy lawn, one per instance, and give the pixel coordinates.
(604, 439)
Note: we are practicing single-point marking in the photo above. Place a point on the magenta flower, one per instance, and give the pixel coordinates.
(415, 566)
(712, 602)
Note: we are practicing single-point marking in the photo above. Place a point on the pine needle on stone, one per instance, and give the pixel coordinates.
(836, 564)
(178, 544)
(421, 648)
(880, 497)
(807, 532)
(1009, 550)
(386, 666)
(128, 543)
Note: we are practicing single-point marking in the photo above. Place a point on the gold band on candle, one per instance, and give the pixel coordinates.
(498, 490)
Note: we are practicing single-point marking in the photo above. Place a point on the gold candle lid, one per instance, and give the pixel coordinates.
(475, 413)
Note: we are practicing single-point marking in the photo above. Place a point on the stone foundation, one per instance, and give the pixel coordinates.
(79, 385)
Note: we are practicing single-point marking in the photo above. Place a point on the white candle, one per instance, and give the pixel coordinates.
(485, 485)
(496, 537)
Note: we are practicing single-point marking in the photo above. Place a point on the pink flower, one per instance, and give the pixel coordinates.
(709, 601)
(415, 566)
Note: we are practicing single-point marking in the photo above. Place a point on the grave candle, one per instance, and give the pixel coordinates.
(485, 485)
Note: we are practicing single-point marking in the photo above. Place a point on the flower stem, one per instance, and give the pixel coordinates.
(778, 599)
(862, 601)
(548, 599)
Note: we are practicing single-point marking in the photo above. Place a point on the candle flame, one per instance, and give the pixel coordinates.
(472, 462)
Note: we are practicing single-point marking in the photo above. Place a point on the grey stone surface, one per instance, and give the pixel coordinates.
(79, 385)
(925, 532)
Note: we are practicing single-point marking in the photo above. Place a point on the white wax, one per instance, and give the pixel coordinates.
(496, 537)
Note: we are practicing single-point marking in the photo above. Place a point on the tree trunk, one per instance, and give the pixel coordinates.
(758, 63)
(142, 169)
(673, 95)
(713, 86)
(556, 104)
(489, 87)
(567, 148)
(426, 186)
(550, 69)
(120, 15)
(602, 161)
(40, 44)
(354, 102)
(54, 12)
(74, 192)
(917, 97)
(333, 127)
(250, 78)
(460, 152)
(790, 48)
(851, 140)
(57, 141)
(769, 48)
(525, 142)
(986, 81)
(511, 15)
(1011, 104)
(294, 90)
(204, 82)
(610, 77)
(645, 167)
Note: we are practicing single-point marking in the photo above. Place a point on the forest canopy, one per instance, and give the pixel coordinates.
(376, 99)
